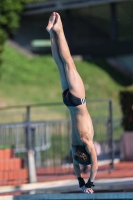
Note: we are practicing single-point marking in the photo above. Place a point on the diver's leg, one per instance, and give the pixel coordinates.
(74, 80)
(55, 52)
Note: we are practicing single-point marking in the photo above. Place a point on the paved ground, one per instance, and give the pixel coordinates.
(119, 179)
(121, 170)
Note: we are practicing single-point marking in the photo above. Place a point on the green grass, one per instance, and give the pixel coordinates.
(59, 147)
(30, 81)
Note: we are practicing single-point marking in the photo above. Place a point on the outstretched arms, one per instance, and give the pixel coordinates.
(94, 166)
(85, 187)
(89, 146)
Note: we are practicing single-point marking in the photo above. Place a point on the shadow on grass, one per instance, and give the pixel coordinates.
(116, 75)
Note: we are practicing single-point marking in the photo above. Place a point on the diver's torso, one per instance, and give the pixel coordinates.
(82, 127)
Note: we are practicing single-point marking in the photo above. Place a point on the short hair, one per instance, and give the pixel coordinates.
(81, 156)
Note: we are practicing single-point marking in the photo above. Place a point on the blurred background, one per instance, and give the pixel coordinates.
(35, 126)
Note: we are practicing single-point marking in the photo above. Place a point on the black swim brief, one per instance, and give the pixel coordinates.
(70, 100)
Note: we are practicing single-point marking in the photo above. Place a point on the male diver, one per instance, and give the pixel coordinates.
(83, 151)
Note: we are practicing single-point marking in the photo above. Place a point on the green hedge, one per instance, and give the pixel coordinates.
(126, 101)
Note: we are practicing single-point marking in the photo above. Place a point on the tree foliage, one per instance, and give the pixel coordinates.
(126, 102)
(10, 13)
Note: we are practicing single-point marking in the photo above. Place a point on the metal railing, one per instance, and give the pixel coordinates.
(50, 140)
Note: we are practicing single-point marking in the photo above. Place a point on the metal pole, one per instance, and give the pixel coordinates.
(30, 152)
(114, 24)
(28, 127)
(111, 132)
(69, 25)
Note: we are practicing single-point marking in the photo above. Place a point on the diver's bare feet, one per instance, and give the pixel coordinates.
(58, 27)
(51, 22)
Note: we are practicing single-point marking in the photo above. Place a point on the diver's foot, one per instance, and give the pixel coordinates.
(58, 27)
(51, 22)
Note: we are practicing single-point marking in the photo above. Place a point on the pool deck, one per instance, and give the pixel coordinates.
(119, 179)
(121, 170)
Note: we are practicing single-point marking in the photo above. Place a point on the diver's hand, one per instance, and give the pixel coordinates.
(86, 190)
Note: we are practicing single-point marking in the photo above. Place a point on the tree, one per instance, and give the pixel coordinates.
(126, 102)
(10, 14)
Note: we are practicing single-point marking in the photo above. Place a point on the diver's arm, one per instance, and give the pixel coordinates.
(94, 165)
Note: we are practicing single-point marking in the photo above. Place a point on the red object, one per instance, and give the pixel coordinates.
(11, 169)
